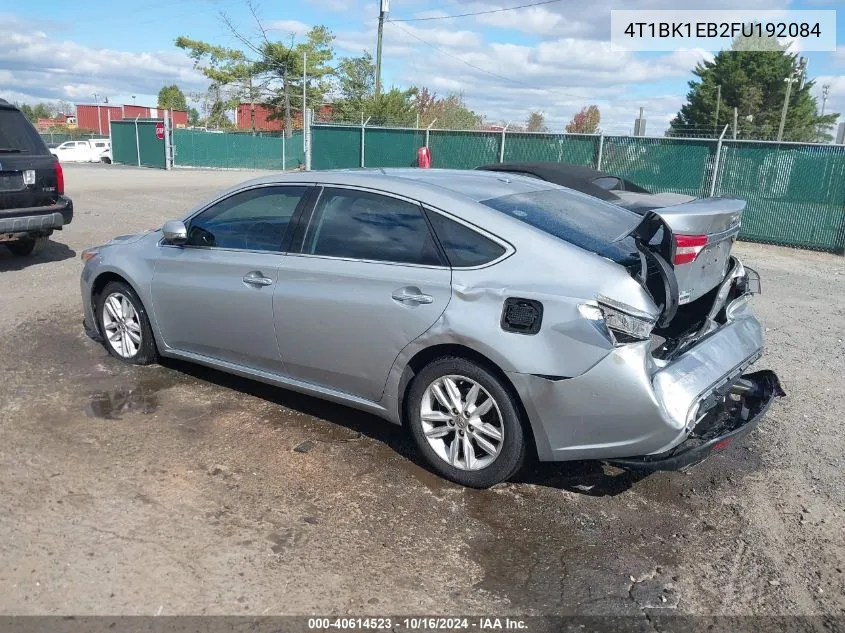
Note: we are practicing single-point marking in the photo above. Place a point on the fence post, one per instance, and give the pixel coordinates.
(427, 130)
(716, 163)
(502, 143)
(363, 128)
(284, 158)
(306, 138)
(601, 151)
(168, 147)
(137, 142)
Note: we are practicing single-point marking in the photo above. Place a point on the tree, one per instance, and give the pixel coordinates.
(193, 116)
(356, 79)
(445, 113)
(225, 67)
(536, 123)
(753, 82)
(266, 70)
(585, 122)
(37, 111)
(172, 98)
(394, 107)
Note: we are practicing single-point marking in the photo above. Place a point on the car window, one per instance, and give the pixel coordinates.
(256, 219)
(464, 247)
(17, 134)
(361, 225)
(587, 222)
(99, 144)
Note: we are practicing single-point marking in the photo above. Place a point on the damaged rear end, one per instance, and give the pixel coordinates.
(705, 337)
(676, 382)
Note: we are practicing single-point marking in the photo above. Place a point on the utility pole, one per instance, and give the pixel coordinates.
(825, 95)
(718, 105)
(789, 81)
(384, 7)
(99, 121)
(304, 85)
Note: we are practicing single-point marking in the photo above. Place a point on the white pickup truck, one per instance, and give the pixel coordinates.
(95, 150)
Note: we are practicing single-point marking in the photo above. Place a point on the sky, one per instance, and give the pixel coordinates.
(555, 58)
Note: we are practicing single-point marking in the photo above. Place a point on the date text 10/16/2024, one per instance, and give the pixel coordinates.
(419, 623)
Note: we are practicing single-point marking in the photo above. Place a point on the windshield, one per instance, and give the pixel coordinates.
(17, 134)
(591, 224)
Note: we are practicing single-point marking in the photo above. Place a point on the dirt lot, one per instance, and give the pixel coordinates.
(175, 489)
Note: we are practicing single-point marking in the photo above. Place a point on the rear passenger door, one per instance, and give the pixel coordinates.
(367, 280)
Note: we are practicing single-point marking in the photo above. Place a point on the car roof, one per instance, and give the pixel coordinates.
(414, 182)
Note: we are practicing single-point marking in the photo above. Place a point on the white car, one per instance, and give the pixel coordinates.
(91, 151)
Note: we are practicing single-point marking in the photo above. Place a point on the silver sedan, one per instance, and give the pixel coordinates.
(492, 314)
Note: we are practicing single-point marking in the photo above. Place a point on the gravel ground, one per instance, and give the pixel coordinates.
(175, 489)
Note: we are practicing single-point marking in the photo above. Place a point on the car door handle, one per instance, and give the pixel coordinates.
(257, 278)
(411, 295)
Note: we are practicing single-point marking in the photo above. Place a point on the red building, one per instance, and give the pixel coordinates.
(263, 122)
(96, 117)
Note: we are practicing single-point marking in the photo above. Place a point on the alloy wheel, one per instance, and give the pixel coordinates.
(462, 422)
(122, 325)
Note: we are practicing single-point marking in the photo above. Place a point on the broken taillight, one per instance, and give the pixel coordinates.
(687, 247)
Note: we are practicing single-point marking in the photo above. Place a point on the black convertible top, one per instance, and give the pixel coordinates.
(573, 176)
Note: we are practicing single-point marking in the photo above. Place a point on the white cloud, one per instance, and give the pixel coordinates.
(287, 27)
(41, 67)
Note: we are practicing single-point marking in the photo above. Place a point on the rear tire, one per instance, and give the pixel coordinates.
(28, 246)
(125, 326)
(466, 422)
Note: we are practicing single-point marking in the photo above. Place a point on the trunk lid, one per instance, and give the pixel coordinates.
(688, 248)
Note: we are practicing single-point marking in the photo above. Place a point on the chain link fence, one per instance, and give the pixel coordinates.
(56, 138)
(795, 193)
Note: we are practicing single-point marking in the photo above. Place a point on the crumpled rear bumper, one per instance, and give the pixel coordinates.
(724, 424)
(631, 404)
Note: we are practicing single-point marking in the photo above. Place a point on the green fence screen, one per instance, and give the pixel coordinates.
(236, 150)
(149, 149)
(795, 193)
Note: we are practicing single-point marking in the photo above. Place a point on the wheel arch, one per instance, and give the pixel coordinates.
(424, 356)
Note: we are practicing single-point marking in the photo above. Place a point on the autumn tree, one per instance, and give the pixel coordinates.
(585, 122)
(446, 113)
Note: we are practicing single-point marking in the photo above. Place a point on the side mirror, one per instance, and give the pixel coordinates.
(175, 232)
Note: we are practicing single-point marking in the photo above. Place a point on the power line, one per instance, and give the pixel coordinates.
(442, 52)
(464, 15)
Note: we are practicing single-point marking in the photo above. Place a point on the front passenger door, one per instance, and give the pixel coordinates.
(213, 297)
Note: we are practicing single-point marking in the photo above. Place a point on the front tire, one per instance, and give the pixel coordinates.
(125, 326)
(28, 246)
(465, 422)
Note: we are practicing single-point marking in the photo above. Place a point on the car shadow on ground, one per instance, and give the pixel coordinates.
(53, 252)
(592, 478)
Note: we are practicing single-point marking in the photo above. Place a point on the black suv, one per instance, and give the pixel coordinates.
(32, 186)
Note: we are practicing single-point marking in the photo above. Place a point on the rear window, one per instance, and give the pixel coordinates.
(18, 136)
(464, 247)
(586, 222)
